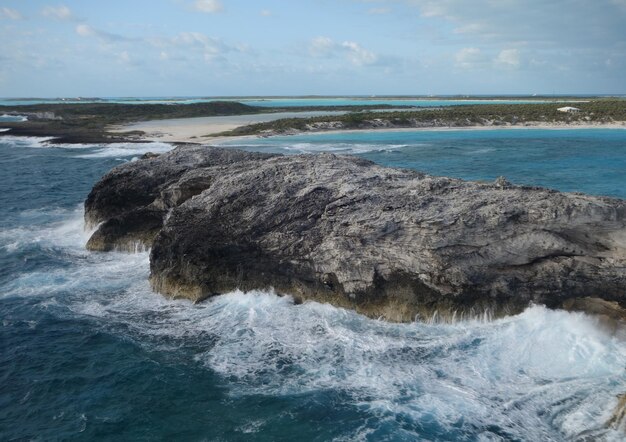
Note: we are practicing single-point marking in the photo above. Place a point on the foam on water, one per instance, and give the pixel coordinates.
(541, 375)
(20, 141)
(353, 148)
(338, 148)
(13, 118)
(111, 150)
(115, 150)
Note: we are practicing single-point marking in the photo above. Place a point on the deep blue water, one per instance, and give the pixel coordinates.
(88, 352)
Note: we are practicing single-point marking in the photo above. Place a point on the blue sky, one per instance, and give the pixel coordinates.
(282, 47)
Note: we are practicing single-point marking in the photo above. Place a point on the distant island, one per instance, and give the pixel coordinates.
(593, 113)
(103, 122)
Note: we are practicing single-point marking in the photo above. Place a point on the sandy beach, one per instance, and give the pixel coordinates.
(203, 129)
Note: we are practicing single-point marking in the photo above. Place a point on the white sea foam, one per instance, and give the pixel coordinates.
(340, 148)
(115, 150)
(541, 375)
(536, 376)
(112, 150)
(63, 229)
(19, 141)
(13, 118)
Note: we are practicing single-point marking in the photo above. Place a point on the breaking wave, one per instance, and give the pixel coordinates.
(541, 375)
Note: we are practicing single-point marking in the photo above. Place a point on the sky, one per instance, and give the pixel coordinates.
(152, 48)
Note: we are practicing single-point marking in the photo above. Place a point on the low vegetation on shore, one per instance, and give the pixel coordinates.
(592, 112)
(89, 122)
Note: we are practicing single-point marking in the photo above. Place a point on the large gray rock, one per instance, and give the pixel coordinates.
(130, 202)
(389, 243)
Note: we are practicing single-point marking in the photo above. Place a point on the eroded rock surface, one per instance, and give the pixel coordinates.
(132, 200)
(387, 242)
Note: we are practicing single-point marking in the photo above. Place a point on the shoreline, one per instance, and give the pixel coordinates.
(446, 129)
(181, 135)
(211, 130)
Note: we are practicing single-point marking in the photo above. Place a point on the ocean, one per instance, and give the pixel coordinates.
(292, 101)
(89, 352)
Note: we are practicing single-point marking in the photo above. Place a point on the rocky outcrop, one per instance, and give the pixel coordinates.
(386, 242)
(131, 201)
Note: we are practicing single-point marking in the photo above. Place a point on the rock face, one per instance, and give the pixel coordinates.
(386, 242)
(132, 200)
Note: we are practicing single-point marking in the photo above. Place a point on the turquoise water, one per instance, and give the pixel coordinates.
(286, 102)
(584, 160)
(88, 352)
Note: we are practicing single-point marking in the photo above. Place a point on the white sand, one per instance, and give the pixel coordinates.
(201, 129)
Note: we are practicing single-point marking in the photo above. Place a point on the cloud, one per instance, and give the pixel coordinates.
(11, 14)
(509, 58)
(469, 58)
(266, 13)
(357, 54)
(565, 23)
(211, 49)
(321, 46)
(208, 6)
(85, 30)
(61, 12)
(350, 50)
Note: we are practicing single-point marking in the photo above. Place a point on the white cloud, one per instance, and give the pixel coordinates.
(85, 30)
(10, 13)
(570, 23)
(266, 13)
(321, 46)
(211, 49)
(469, 58)
(61, 12)
(208, 6)
(509, 58)
(357, 54)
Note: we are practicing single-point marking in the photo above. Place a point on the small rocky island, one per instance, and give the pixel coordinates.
(389, 243)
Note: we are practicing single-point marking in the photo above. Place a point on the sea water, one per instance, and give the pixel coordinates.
(89, 352)
(583, 160)
(293, 101)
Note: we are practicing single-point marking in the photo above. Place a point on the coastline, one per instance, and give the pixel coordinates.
(542, 126)
(189, 130)
(209, 123)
